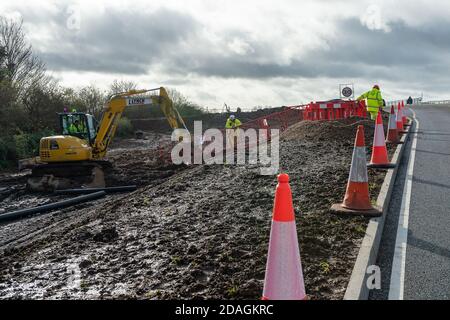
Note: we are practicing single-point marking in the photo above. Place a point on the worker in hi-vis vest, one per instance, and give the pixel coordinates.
(374, 101)
(232, 127)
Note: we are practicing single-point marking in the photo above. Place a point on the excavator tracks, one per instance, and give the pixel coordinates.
(55, 176)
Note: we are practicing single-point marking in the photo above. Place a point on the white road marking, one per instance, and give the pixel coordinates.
(398, 265)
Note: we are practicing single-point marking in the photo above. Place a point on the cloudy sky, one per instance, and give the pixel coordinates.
(245, 53)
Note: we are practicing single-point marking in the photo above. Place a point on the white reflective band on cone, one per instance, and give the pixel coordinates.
(284, 275)
(392, 122)
(379, 137)
(358, 170)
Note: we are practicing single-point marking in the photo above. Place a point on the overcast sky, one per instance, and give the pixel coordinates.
(245, 53)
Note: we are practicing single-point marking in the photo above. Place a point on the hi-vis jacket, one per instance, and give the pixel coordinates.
(374, 99)
(232, 124)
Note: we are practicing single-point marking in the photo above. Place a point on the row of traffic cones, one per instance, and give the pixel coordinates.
(379, 157)
(284, 275)
(397, 123)
(396, 128)
(357, 200)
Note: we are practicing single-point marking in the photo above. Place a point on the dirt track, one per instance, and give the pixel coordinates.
(201, 232)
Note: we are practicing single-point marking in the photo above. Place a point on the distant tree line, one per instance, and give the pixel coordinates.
(30, 98)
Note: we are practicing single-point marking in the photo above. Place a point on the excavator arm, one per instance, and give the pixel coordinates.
(117, 104)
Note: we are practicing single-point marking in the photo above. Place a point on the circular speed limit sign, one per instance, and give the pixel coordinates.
(347, 92)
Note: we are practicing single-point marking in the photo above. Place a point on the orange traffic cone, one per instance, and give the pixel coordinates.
(356, 200)
(399, 120)
(392, 136)
(404, 118)
(284, 275)
(379, 151)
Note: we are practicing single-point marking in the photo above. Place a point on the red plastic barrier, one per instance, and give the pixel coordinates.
(334, 110)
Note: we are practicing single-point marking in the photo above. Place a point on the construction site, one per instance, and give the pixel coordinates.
(209, 158)
(189, 231)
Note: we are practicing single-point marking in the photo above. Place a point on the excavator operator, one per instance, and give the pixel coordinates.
(76, 128)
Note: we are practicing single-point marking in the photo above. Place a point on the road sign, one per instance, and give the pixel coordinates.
(347, 91)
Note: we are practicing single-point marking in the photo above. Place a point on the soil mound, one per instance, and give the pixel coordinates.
(340, 130)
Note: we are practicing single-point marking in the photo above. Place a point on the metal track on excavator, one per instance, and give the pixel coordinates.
(69, 169)
(65, 175)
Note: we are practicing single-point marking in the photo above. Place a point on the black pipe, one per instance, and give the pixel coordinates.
(52, 206)
(91, 190)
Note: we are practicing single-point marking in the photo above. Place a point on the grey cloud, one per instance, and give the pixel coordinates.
(131, 42)
(117, 42)
(402, 46)
(355, 52)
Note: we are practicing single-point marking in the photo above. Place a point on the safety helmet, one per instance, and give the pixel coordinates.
(232, 117)
(376, 87)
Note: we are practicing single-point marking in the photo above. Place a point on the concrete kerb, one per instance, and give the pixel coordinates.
(357, 287)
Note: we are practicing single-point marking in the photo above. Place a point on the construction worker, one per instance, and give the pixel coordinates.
(374, 101)
(410, 100)
(231, 127)
(232, 122)
(82, 127)
(75, 127)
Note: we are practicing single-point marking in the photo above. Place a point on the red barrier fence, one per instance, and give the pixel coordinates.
(335, 110)
(315, 111)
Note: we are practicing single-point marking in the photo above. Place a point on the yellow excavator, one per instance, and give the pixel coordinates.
(76, 157)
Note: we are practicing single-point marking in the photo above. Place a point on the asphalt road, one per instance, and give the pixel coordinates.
(425, 271)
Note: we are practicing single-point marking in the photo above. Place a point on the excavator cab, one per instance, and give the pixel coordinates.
(78, 124)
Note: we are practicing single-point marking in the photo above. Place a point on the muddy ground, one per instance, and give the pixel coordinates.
(136, 162)
(199, 233)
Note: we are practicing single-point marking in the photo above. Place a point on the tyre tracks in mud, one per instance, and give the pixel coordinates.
(24, 231)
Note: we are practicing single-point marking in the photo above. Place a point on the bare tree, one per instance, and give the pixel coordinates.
(40, 104)
(119, 86)
(182, 103)
(177, 98)
(92, 98)
(20, 65)
(2, 63)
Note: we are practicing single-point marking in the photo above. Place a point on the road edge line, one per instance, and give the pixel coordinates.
(357, 287)
(396, 286)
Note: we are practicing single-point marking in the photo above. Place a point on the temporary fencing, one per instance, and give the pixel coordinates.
(314, 111)
(290, 115)
(335, 110)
